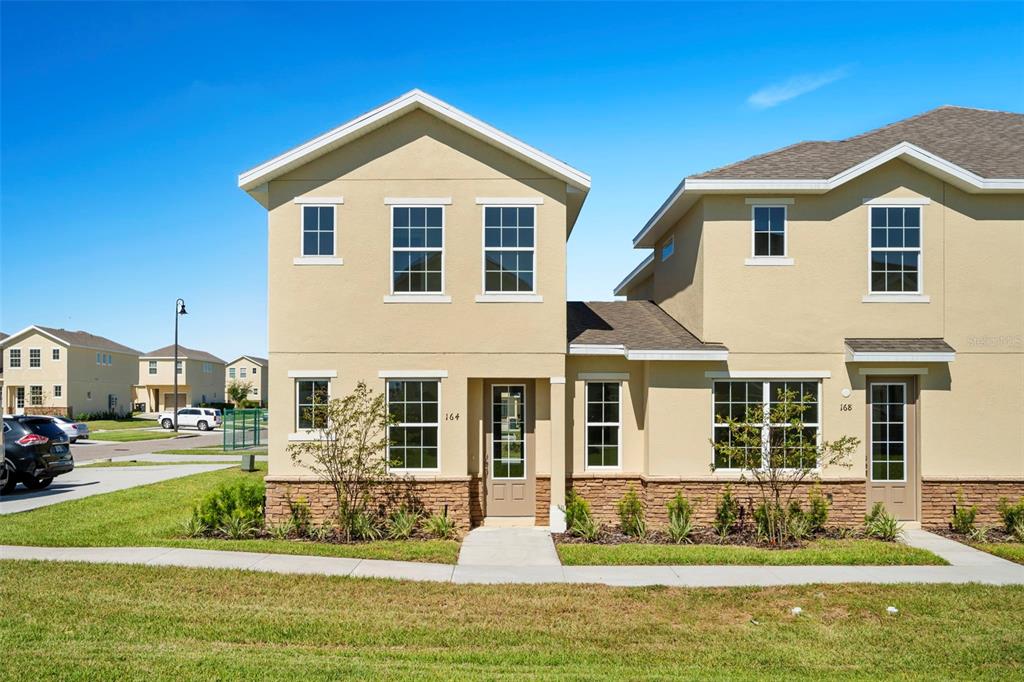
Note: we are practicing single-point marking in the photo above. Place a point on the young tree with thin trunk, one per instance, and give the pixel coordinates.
(239, 391)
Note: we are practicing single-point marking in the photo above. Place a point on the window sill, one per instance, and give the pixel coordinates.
(417, 298)
(317, 260)
(768, 260)
(509, 298)
(896, 298)
(303, 436)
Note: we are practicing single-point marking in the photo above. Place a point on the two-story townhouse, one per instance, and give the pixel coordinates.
(200, 379)
(3, 338)
(422, 251)
(883, 275)
(59, 371)
(252, 370)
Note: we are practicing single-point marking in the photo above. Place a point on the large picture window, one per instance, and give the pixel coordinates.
(733, 399)
(311, 396)
(604, 426)
(509, 249)
(417, 249)
(317, 230)
(896, 249)
(414, 405)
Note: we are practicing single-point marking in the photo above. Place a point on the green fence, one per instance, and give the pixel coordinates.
(242, 428)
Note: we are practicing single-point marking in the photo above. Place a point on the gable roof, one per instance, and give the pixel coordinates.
(251, 179)
(639, 330)
(68, 337)
(183, 354)
(258, 360)
(976, 150)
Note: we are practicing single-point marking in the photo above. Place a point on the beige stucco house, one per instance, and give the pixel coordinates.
(200, 379)
(422, 251)
(252, 370)
(59, 371)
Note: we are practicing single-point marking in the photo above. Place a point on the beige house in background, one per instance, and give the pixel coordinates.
(3, 338)
(252, 370)
(58, 371)
(422, 251)
(200, 379)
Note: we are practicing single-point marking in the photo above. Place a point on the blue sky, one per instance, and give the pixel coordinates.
(125, 125)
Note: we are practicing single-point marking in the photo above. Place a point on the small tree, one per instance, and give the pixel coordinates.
(238, 391)
(777, 452)
(348, 449)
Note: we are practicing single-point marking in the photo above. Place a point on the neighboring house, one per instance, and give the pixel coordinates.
(421, 251)
(3, 338)
(251, 370)
(58, 371)
(200, 379)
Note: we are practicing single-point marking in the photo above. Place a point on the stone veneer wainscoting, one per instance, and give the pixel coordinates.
(939, 495)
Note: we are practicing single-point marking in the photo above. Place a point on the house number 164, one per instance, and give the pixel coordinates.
(451, 416)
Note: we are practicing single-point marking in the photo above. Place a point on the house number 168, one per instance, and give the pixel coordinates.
(845, 407)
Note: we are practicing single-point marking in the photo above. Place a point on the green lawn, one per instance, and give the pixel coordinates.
(133, 435)
(150, 515)
(120, 424)
(212, 451)
(820, 552)
(141, 622)
(136, 463)
(1014, 551)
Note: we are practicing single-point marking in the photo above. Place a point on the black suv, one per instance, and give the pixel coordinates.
(35, 450)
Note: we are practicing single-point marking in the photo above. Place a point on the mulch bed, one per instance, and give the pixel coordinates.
(995, 534)
(739, 537)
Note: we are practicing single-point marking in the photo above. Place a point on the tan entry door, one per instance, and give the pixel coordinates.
(169, 403)
(510, 437)
(892, 446)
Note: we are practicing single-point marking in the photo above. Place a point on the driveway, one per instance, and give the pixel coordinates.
(87, 481)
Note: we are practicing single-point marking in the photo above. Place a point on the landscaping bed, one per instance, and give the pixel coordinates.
(1005, 540)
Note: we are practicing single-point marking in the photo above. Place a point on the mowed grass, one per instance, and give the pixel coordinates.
(128, 436)
(151, 515)
(135, 463)
(212, 451)
(1013, 551)
(141, 622)
(859, 552)
(120, 424)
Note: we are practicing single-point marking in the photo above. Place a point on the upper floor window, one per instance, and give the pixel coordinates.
(152, 366)
(55, 354)
(317, 230)
(417, 251)
(254, 371)
(509, 249)
(207, 368)
(99, 358)
(177, 366)
(604, 425)
(14, 358)
(769, 231)
(668, 248)
(241, 372)
(743, 399)
(896, 249)
(231, 372)
(35, 357)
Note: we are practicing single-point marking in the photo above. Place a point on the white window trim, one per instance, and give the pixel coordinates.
(510, 201)
(407, 296)
(58, 391)
(40, 351)
(387, 405)
(318, 260)
(669, 246)
(766, 396)
(423, 374)
(415, 202)
(785, 258)
(41, 396)
(871, 433)
(55, 354)
(312, 374)
(769, 375)
(305, 434)
(587, 424)
(899, 296)
(304, 258)
(897, 201)
(315, 201)
(506, 296)
(770, 201)
(152, 367)
(11, 355)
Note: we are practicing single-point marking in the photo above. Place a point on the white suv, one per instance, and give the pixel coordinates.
(203, 418)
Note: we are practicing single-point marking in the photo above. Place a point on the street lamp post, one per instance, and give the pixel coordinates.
(179, 310)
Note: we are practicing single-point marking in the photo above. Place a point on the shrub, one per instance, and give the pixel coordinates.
(882, 525)
(726, 512)
(284, 530)
(193, 527)
(441, 527)
(1013, 514)
(402, 524)
(979, 534)
(680, 519)
(1018, 530)
(236, 502)
(238, 525)
(817, 509)
(364, 527)
(631, 514)
(577, 513)
(798, 526)
(322, 532)
(963, 515)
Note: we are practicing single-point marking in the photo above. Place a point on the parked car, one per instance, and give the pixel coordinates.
(202, 418)
(73, 429)
(35, 450)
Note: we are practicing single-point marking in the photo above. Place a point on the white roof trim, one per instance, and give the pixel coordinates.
(957, 175)
(33, 328)
(596, 349)
(243, 357)
(412, 374)
(874, 356)
(618, 349)
(637, 271)
(414, 99)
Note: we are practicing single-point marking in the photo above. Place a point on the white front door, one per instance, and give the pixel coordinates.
(19, 400)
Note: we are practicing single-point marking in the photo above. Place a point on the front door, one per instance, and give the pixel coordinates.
(892, 446)
(19, 400)
(511, 465)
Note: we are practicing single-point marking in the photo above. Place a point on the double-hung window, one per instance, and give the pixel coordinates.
(241, 372)
(318, 230)
(738, 399)
(35, 357)
(604, 424)
(417, 249)
(414, 404)
(14, 358)
(178, 367)
(35, 396)
(895, 249)
(58, 391)
(311, 396)
(55, 354)
(231, 372)
(769, 226)
(509, 237)
(152, 366)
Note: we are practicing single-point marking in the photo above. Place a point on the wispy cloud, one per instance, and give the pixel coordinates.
(777, 93)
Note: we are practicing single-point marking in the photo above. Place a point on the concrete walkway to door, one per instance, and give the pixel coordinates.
(508, 547)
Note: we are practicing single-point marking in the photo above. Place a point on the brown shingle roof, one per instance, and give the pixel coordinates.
(899, 346)
(988, 143)
(258, 359)
(183, 354)
(80, 338)
(636, 325)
